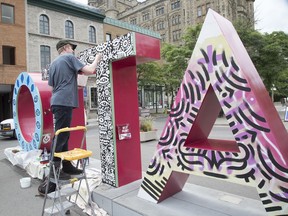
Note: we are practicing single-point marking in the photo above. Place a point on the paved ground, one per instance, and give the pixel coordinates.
(16, 201)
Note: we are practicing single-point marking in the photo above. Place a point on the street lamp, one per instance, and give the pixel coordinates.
(273, 88)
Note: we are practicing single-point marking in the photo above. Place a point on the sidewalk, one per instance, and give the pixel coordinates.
(16, 201)
(194, 200)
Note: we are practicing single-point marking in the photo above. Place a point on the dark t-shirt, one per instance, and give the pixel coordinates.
(63, 73)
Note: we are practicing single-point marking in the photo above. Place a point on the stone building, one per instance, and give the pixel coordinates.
(12, 50)
(50, 21)
(170, 18)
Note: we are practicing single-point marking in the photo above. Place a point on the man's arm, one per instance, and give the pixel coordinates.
(91, 68)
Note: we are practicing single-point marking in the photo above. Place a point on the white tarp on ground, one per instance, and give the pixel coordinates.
(30, 161)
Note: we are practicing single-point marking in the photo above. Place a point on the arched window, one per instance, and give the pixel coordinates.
(44, 24)
(69, 29)
(92, 34)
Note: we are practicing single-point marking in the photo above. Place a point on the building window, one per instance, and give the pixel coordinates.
(146, 16)
(159, 11)
(69, 29)
(108, 37)
(175, 5)
(160, 25)
(146, 26)
(8, 54)
(153, 97)
(176, 20)
(133, 21)
(199, 11)
(163, 37)
(45, 56)
(92, 34)
(203, 10)
(7, 13)
(93, 98)
(176, 35)
(44, 24)
(207, 7)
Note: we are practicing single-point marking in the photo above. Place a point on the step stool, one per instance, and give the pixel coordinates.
(61, 197)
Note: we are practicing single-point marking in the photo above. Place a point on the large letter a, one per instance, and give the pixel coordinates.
(220, 74)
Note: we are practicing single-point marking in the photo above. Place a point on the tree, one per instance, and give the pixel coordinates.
(269, 54)
(173, 68)
(176, 60)
(274, 60)
(149, 74)
(190, 38)
(282, 84)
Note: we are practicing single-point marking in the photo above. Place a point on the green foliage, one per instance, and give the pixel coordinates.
(274, 59)
(174, 66)
(268, 52)
(149, 74)
(176, 59)
(190, 38)
(146, 124)
(281, 83)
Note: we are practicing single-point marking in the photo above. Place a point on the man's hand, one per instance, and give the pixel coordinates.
(91, 69)
(98, 58)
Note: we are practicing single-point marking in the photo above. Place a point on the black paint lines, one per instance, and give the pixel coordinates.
(268, 168)
(205, 71)
(205, 56)
(255, 115)
(216, 175)
(275, 163)
(254, 125)
(233, 84)
(224, 59)
(202, 81)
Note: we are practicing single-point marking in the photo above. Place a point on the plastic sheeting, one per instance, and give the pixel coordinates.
(30, 161)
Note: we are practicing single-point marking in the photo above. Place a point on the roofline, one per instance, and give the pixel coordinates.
(131, 27)
(71, 8)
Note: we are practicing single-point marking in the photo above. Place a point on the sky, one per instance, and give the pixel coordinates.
(270, 15)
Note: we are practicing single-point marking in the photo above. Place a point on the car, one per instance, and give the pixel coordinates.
(7, 128)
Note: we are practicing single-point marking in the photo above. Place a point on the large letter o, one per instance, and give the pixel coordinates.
(31, 112)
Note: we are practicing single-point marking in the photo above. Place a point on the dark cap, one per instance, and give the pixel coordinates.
(62, 43)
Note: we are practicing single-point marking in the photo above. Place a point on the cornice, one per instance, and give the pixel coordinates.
(71, 8)
(131, 27)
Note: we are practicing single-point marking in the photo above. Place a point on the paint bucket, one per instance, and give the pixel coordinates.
(25, 182)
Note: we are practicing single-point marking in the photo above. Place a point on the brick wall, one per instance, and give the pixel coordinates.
(13, 35)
